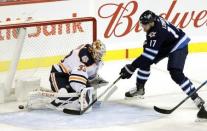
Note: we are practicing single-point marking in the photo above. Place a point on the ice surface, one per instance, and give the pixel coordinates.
(120, 114)
(109, 115)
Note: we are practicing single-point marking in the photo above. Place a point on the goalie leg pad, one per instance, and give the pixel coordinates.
(42, 99)
(86, 97)
(76, 103)
(61, 103)
(39, 99)
(66, 100)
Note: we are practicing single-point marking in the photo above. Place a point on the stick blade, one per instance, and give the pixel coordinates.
(163, 111)
(72, 112)
(110, 93)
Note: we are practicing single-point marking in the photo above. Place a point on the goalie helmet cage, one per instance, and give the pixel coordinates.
(30, 46)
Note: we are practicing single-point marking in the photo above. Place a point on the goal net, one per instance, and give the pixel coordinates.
(28, 49)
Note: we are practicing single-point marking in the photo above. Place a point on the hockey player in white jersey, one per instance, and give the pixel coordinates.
(74, 78)
(81, 66)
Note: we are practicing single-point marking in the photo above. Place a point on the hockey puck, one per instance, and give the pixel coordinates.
(21, 107)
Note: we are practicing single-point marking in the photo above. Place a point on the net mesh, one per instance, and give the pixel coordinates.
(45, 44)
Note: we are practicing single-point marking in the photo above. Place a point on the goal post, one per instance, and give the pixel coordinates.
(14, 61)
(29, 48)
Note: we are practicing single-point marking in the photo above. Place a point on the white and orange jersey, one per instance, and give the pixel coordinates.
(79, 64)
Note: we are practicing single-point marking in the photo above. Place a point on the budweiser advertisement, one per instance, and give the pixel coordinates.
(118, 23)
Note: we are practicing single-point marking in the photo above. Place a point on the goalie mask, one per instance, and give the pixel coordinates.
(99, 50)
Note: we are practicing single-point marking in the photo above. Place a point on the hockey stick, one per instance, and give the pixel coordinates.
(109, 94)
(166, 111)
(74, 112)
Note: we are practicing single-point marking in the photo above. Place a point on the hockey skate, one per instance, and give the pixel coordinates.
(137, 92)
(199, 102)
(98, 82)
(202, 115)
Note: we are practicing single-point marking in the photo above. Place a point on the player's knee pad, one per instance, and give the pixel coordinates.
(177, 75)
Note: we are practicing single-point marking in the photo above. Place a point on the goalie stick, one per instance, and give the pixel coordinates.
(169, 111)
(74, 112)
(109, 94)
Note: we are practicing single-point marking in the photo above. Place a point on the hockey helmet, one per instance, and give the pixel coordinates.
(99, 50)
(147, 17)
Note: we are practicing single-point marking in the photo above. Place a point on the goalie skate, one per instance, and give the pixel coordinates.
(98, 82)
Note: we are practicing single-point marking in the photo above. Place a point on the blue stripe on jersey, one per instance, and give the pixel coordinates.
(152, 50)
(181, 44)
(184, 44)
(148, 56)
(150, 53)
(143, 74)
(187, 87)
(142, 77)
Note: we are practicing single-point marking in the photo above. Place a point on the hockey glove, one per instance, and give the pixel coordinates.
(127, 71)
